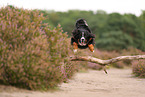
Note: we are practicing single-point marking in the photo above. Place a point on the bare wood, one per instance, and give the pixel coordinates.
(106, 62)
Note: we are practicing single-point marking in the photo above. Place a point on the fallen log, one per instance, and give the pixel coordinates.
(105, 62)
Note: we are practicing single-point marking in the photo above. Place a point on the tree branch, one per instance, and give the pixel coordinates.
(106, 62)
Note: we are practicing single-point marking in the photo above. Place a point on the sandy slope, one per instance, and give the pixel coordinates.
(117, 83)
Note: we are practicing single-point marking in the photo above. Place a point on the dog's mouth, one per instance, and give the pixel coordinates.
(82, 42)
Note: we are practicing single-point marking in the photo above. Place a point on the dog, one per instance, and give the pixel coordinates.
(82, 37)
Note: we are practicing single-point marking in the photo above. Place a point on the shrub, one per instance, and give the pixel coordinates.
(94, 66)
(33, 55)
(139, 68)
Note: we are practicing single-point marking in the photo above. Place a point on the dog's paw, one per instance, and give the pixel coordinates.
(75, 50)
(91, 47)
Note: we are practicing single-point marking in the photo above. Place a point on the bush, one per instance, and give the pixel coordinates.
(139, 68)
(33, 55)
(94, 66)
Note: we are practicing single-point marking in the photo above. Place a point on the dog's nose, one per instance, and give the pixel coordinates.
(83, 40)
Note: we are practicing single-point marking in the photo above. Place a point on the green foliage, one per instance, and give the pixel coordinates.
(114, 40)
(127, 25)
(33, 55)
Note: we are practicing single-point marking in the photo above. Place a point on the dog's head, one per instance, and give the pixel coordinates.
(83, 36)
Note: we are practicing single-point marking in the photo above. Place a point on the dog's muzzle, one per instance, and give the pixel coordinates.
(82, 41)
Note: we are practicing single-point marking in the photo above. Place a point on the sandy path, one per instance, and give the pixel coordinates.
(118, 83)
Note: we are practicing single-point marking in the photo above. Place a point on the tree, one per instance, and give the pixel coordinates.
(114, 40)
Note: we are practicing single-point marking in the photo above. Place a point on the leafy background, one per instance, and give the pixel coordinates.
(113, 31)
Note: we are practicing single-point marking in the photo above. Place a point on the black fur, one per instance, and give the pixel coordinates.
(82, 26)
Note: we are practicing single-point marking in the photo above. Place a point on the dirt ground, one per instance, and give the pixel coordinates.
(117, 83)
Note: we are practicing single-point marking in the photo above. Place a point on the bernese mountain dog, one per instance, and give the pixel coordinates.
(82, 37)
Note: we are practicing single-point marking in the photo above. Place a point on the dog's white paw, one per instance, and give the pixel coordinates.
(75, 50)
